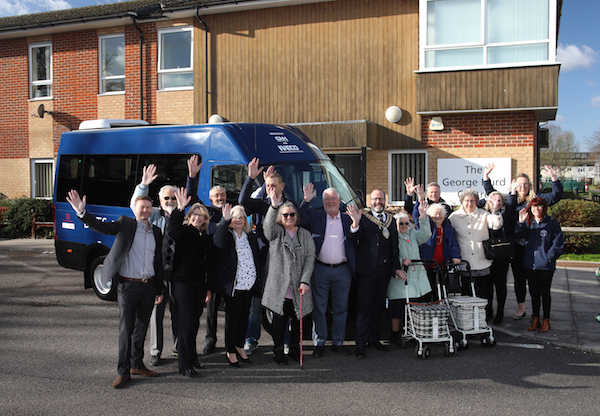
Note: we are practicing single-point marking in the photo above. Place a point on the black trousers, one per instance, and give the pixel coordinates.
(237, 312)
(520, 274)
(136, 301)
(190, 302)
(279, 326)
(497, 281)
(539, 289)
(212, 313)
(369, 304)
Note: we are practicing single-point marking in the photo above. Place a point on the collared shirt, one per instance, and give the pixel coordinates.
(139, 263)
(333, 250)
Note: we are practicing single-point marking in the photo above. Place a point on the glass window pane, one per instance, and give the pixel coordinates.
(113, 56)
(176, 80)
(518, 53)
(41, 91)
(112, 85)
(517, 20)
(40, 66)
(406, 165)
(453, 21)
(454, 57)
(43, 180)
(176, 50)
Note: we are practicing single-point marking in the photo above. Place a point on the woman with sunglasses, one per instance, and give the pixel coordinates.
(418, 286)
(290, 267)
(236, 277)
(544, 244)
(189, 277)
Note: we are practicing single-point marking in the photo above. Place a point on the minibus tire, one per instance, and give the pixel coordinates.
(104, 292)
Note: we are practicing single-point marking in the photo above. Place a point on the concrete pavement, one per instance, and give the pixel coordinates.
(575, 302)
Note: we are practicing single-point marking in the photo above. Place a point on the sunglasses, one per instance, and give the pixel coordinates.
(291, 215)
(166, 198)
(403, 223)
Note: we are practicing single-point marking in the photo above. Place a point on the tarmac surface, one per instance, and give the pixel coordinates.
(575, 302)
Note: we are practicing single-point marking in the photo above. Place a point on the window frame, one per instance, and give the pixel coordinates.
(34, 163)
(48, 81)
(189, 70)
(391, 174)
(100, 62)
(423, 47)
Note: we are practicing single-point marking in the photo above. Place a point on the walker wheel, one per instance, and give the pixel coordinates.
(426, 353)
(418, 352)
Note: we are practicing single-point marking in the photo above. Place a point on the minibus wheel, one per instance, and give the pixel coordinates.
(103, 291)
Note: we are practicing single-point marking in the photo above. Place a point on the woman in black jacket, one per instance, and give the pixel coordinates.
(237, 277)
(189, 276)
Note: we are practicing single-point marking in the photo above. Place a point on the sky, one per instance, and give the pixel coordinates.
(578, 50)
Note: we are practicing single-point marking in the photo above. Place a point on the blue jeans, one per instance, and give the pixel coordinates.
(336, 280)
(254, 320)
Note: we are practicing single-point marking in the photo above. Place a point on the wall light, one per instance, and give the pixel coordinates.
(393, 114)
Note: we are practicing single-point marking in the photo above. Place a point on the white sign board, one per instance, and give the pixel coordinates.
(456, 175)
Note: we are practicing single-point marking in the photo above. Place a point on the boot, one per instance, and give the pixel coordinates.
(395, 338)
(535, 323)
(545, 325)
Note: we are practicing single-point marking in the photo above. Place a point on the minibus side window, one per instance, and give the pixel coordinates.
(70, 170)
(230, 177)
(171, 169)
(109, 179)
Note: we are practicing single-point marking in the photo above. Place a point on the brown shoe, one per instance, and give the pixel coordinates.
(144, 372)
(535, 323)
(545, 326)
(120, 381)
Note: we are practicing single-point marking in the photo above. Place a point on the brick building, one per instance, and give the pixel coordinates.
(473, 79)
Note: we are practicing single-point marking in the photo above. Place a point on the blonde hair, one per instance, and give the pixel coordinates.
(531, 193)
(240, 212)
(203, 210)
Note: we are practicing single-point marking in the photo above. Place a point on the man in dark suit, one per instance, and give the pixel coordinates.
(334, 267)
(377, 261)
(139, 275)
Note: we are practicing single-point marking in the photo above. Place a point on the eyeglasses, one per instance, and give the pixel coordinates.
(173, 198)
(288, 214)
(403, 223)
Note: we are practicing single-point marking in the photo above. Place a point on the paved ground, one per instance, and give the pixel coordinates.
(575, 303)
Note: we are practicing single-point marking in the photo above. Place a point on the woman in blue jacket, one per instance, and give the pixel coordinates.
(543, 245)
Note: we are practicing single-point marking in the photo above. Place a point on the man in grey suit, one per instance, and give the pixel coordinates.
(139, 275)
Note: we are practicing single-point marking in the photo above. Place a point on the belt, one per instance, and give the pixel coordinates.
(331, 265)
(144, 280)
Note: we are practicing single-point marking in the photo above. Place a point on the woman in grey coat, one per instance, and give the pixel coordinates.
(290, 267)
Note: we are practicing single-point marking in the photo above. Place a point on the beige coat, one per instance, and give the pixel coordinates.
(471, 230)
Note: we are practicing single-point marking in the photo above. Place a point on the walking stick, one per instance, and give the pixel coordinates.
(301, 335)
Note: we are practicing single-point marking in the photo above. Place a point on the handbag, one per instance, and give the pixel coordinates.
(499, 248)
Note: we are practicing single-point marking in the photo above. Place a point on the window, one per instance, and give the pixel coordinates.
(350, 165)
(404, 164)
(112, 63)
(231, 178)
(175, 69)
(42, 182)
(463, 33)
(40, 70)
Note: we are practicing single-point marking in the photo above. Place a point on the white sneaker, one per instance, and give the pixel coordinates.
(250, 346)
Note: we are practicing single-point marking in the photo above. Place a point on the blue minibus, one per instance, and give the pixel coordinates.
(104, 162)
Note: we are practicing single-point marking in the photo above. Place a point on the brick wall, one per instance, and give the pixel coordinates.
(132, 72)
(111, 106)
(175, 107)
(377, 172)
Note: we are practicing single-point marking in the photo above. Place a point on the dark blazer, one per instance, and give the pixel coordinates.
(450, 245)
(192, 261)
(124, 230)
(315, 221)
(226, 260)
(367, 240)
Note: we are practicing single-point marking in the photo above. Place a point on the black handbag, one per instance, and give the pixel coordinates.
(499, 248)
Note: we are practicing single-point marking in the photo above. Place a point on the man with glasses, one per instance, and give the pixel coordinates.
(334, 267)
(377, 260)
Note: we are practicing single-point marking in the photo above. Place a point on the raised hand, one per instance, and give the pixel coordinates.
(423, 209)
(268, 172)
(355, 214)
(523, 215)
(514, 185)
(409, 183)
(193, 166)
(552, 173)
(275, 200)
(487, 169)
(76, 202)
(421, 193)
(309, 192)
(253, 169)
(148, 174)
(182, 198)
(226, 212)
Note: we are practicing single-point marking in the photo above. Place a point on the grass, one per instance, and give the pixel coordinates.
(580, 257)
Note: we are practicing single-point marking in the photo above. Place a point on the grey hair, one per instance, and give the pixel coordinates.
(404, 214)
(216, 188)
(164, 188)
(433, 184)
(331, 191)
(469, 192)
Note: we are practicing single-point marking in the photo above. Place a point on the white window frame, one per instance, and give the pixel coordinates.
(423, 47)
(33, 83)
(177, 70)
(391, 154)
(100, 77)
(35, 162)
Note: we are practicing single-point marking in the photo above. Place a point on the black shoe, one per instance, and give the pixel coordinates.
(340, 349)
(279, 357)
(235, 364)
(360, 352)
(294, 353)
(210, 348)
(519, 317)
(244, 360)
(155, 360)
(378, 346)
(318, 352)
(198, 365)
(498, 320)
(190, 372)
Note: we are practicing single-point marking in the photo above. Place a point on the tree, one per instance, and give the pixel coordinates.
(593, 142)
(561, 147)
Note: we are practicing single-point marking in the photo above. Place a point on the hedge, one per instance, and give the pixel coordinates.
(19, 215)
(578, 213)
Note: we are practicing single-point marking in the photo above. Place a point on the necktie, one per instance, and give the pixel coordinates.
(168, 248)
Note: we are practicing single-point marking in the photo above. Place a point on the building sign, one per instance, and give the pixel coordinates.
(456, 175)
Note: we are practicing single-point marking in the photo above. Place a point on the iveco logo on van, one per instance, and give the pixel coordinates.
(289, 148)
